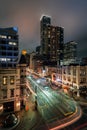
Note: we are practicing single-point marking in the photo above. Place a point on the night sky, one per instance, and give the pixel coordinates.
(25, 14)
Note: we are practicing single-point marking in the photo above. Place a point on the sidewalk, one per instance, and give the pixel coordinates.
(80, 100)
(27, 119)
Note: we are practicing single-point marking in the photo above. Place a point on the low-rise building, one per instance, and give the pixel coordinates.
(24, 66)
(71, 77)
(10, 89)
(75, 77)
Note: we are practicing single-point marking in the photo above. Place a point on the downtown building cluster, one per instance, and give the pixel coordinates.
(59, 60)
(10, 89)
(53, 58)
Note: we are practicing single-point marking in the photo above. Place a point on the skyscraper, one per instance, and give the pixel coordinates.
(44, 22)
(9, 47)
(70, 53)
(52, 39)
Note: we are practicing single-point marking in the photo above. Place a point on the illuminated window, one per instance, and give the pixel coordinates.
(49, 36)
(82, 72)
(48, 32)
(12, 43)
(49, 45)
(83, 80)
(5, 93)
(64, 77)
(12, 80)
(2, 36)
(4, 80)
(5, 59)
(53, 52)
(68, 70)
(74, 71)
(74, 80)
(9, 37)
(70, 79)
(53, 29)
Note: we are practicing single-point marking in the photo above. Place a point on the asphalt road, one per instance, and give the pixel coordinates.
(53, 106)
(81, 124)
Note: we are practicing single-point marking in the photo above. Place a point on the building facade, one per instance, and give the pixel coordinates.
(9, 50)
(9, 73)
(24, 67)
(71, 77)
(74, 77)
(70, 53)
(10, 90)
(44, 22)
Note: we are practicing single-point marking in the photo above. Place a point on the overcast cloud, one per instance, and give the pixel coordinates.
(25, 14)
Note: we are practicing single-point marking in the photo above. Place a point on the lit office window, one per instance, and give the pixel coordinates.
(9, 37)
(5, 59)
(3, 36)
(12, 80)
(82, 72)
(74, 80)
(12, 43)
(4, 80)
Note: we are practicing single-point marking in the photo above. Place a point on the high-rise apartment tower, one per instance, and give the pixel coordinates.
(52, 39)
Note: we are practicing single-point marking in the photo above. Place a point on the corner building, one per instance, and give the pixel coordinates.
(9, 73)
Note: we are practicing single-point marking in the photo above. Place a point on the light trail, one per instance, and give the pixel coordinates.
(27, 84)
(69, 122)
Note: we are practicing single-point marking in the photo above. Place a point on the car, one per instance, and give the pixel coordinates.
(10, 120)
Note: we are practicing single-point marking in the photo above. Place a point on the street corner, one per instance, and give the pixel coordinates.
(9, 123)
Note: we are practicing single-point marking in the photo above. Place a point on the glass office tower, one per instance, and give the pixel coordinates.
(9, 48)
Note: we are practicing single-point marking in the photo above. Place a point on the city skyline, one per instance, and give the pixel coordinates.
(26, 16)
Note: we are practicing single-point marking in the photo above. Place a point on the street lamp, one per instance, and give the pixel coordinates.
(43, 73)
(1, 108)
